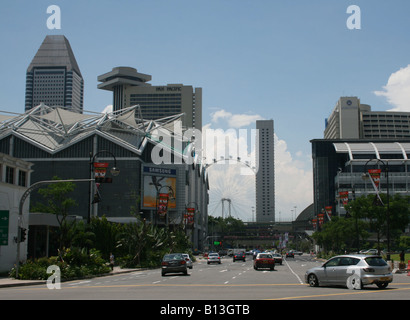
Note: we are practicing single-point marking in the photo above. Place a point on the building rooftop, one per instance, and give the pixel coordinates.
(53, 129)
(55, 51)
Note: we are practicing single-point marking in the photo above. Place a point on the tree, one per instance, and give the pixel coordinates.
(374, 214)
(58, 203)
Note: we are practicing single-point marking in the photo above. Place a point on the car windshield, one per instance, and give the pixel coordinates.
(375, 262)
(170, 257)
(213, 254)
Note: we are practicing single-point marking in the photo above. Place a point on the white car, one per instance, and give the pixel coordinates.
(214, 258)
(188, 260)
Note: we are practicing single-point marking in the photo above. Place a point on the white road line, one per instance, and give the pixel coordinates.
(301, 282)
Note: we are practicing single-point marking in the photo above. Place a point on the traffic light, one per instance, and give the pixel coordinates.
(23, 234)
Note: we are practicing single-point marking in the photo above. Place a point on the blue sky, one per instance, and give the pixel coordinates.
(289, 61)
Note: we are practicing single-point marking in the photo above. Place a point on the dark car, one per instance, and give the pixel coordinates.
(174, 263)
(239, 256)
(290, 254)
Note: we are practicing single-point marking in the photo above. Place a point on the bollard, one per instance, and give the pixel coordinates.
(408, 267)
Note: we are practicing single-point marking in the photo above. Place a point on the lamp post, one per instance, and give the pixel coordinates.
(114, 171)
(366, 175)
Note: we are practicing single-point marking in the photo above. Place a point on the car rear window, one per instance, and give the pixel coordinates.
(265, 256)
(170, 257)
(375, 261)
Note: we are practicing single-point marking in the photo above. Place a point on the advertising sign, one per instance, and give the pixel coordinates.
(158, 181)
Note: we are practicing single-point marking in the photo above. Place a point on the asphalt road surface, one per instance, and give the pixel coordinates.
(229, 281)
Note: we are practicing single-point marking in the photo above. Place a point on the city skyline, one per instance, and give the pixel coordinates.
(265, 60)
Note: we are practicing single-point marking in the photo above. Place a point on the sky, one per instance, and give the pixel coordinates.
(289, 61)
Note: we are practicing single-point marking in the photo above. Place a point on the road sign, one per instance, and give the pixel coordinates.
(4, 227)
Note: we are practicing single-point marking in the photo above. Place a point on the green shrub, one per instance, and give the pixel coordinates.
(73, 263)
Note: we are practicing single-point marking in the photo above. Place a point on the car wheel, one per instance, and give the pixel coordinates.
(163, 273)
(382, 285)
(255, 267)
(312, 279)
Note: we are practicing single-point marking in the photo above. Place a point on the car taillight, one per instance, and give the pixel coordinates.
(183, 262)
(164, 263)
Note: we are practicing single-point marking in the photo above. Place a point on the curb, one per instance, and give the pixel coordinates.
(9, 282)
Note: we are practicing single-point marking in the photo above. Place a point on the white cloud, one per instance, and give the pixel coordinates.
(397, 90)
(234, 120)
(107, 109)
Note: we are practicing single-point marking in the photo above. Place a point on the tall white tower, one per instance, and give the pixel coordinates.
(265, 177)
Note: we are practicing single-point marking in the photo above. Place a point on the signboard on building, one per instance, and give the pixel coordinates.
(157, 181)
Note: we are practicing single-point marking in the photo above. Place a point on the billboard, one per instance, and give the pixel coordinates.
(158, 181)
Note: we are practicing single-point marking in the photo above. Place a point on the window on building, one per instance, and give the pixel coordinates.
(9, 175)
(22, 179)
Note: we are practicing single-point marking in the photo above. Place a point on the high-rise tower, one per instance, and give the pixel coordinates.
(53, 76)
(265, 177)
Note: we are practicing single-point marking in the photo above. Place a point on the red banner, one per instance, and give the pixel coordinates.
(321, 218)
(189, 216)
(162, 208)
(344, 197)
(328, 210)
(100, 169)
(375, 175)
(314, 222)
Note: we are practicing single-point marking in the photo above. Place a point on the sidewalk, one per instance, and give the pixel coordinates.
(10, 282)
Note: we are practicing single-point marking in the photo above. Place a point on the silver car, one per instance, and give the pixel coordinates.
(188, 260)
(352, 271)
(214, 257)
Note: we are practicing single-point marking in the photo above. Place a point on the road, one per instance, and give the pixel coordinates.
(229, 281)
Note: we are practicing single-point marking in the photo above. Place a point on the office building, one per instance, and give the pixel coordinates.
(130, 88)
(339, 165)
(53, 76)
(265, 176)
(351, 119)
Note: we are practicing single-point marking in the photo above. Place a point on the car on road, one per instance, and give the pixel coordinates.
(290, 254)
(173, 263)
(353, 271)
(213, 257)
(239, 256)
(188, 260)
(264, 260)
(278, 258)
(369, 251)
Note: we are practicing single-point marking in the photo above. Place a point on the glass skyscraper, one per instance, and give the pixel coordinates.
(53, 76)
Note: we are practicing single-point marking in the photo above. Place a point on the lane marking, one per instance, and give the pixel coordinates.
(301, 282)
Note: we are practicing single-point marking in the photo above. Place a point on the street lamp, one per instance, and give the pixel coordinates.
(114, 172)
(366, 175)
